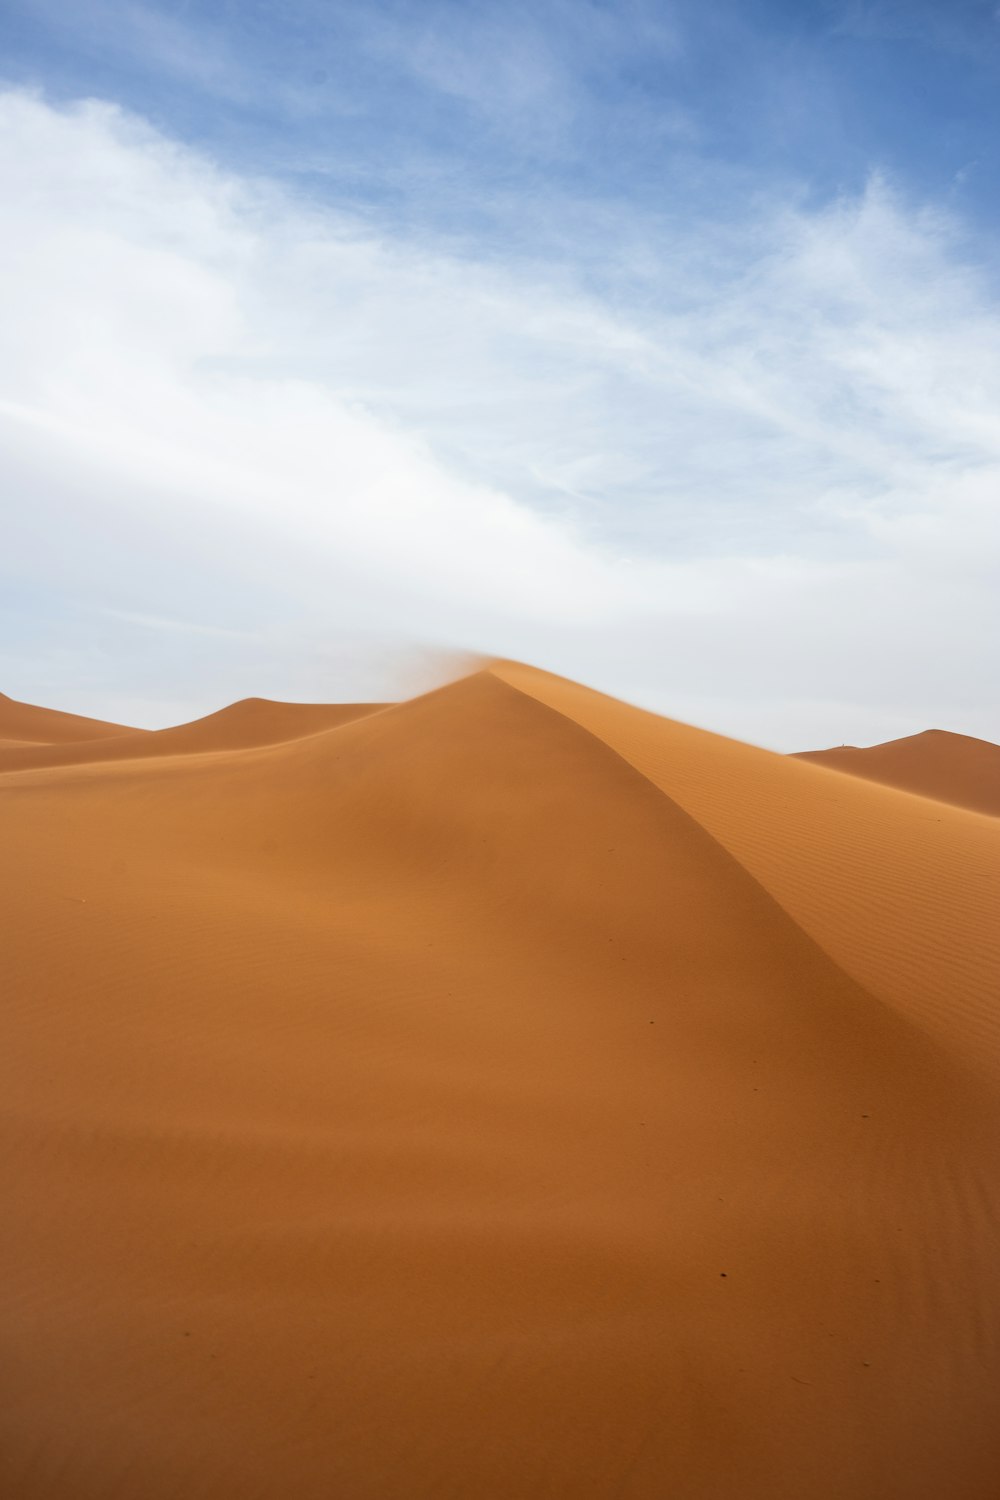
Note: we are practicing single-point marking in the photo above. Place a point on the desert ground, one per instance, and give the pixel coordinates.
(505, 1094)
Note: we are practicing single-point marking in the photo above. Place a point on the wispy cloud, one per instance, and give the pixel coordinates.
(744, 472)
(156, 38)
(184, 627)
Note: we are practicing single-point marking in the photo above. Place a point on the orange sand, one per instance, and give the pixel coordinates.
(23, 723)
(241, 726)
(504, 1094)
(948, 767)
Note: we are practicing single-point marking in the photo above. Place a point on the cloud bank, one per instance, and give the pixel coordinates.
(744, 472)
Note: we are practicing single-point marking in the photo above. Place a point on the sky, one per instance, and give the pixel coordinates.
(657, 344)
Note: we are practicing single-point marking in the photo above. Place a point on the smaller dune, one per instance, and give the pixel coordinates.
(953, 768)
(256, 721)
(23, 724)
(240, 726)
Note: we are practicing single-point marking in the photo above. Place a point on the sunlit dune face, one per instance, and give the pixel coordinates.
(946, 767)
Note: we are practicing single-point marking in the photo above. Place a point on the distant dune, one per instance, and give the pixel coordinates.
(504, 1093)
(23, 723)
(241, 726)
(948, 767)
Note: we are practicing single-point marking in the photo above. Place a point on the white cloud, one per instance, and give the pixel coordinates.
(753, 485)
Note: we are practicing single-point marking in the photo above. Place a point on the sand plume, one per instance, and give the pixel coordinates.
(502, 1093)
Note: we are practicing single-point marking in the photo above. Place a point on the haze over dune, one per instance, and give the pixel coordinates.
(503, 1093)
(948, 767)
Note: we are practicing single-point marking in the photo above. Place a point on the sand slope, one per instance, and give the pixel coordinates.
(495, 1095)
(23, 723)
(952, 768)
(902, 893)
(241, 726)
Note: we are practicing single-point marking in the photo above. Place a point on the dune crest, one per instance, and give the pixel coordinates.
(902, 895)
(947, 767)
(24, 723)
(506, 1092)
(240, 726)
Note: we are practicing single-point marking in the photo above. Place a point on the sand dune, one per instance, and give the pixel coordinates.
(505, 1093)
(241, 726)
(948, 767)
(23, 723)
(903, 894)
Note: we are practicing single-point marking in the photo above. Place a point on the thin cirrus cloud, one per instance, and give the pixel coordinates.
(746, 474)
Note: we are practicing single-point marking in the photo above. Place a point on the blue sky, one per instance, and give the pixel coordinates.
(404, 106)
(656, 343)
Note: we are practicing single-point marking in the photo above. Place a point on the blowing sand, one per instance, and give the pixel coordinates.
(507, 1093)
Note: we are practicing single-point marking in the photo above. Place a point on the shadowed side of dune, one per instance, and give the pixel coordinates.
(901, 892)
(24, 723)
(240, 726)
(953, 768)
(431, 1105)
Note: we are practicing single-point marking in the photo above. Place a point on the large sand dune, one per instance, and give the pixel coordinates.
(948, 767)
(507, 1093)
